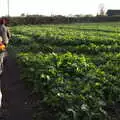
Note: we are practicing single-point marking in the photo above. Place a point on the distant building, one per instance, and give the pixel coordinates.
(113, 13)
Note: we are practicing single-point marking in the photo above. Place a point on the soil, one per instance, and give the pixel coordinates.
(14, 94)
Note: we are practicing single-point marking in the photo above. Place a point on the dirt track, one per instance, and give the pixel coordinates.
(14, 93)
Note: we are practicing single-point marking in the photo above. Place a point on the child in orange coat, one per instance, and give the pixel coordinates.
(2, 49)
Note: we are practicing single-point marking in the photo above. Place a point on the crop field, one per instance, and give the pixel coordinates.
(73, 68)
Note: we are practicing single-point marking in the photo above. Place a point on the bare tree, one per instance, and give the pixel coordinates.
(101, 9)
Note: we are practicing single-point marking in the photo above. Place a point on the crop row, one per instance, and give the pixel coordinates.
(73, 84)
(74, 68)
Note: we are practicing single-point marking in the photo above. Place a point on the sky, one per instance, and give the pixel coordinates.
(55, 7)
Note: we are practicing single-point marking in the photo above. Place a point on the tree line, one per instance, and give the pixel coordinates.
(31, 19)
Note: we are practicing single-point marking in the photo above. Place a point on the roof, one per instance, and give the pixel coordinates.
(113, 12)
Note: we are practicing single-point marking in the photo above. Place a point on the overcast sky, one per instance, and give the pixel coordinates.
(61, 7)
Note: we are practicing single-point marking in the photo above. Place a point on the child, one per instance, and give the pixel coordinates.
(2, 48)
(2, 54)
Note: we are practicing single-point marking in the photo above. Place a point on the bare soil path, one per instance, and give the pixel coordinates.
(14, 93)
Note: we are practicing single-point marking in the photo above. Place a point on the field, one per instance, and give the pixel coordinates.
(74, 69)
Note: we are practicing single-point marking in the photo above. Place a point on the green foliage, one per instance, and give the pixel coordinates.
(68, 81)
(75, 68)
